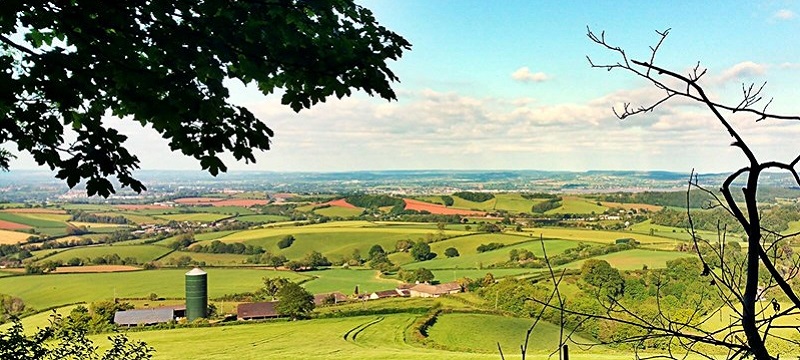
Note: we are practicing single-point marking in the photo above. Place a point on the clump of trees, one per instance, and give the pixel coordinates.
(447, 200)
(368, 201)
(421, 251)
(451, 252)
(474, 196)
(489, 247)
(219, 247)
(421, 275)
(549, 204)
(286, 241)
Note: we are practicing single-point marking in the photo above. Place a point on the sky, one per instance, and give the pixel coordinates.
(506, 85)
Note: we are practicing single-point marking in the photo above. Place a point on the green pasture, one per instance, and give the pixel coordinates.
(40, 320)
(208, 258)
(43, 291)
(212, 235)
(335, 241)
(36, 220)
(577, 205)
(600, 236)
(447, 275)
(468, 245)
(794, 227)
(194, 217)
(487, 205)
(515, 203)
(481, 333)
(431, 199)
(142, 253)
(480, 260)
(671, 232)
(360, 337)
(635, 259)
(262, 218)
(48, 224)
(338, 211)
(345, 281)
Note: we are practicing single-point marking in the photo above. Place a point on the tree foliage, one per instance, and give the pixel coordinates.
(64, 65)
(70, 343)
(294, 301)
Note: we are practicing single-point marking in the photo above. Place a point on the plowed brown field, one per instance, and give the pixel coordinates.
(438, 209)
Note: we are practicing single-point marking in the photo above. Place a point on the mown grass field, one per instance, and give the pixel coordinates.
(334, 240)
(635, 259)
(142, 253)
(487, 205)
(600, 236)
(43, 291)
(644, 227)
(338, 211)
(488, 330)
(515, 203)
(361, 337)
(345, 281)
(473, 259)
(45, 223)
(135, 218)
(577, 205)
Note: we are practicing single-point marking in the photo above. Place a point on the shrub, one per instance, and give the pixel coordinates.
(287, 241)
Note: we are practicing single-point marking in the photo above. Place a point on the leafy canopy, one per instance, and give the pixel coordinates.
(65, 65)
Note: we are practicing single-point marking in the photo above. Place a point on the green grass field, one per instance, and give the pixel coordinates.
(644, 227)
(208, 258)
(447, 275)
(361, 337)
(212, 235)
(40, 320)
(135, 218)
(36, 220)
(43, 291)
(338, 211)
(473, 259)
(487, 205)
(515, 203)
(345, 281)
(599, 236)
(488, 330)
(194, 217)
(142, 253)
(334, 240)
(635, 259)
(577, 205)
(262, 218)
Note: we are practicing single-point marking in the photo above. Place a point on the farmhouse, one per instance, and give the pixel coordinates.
(427, 290)
(384, 294)
(259, 310)
(319, 299)
(144, 317)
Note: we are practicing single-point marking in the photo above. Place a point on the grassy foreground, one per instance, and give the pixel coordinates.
(363, 337)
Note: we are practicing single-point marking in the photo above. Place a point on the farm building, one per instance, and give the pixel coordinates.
(319, 299)
(144, 317)
(427, 290)
(254, 311)
(384, 294)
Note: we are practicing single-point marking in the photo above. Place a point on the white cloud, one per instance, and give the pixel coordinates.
(741, 70)
(524, 74)
(784, 14)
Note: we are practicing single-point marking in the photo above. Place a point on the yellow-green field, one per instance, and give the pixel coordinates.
(8, 237)
(142, 253)
(577, 205)
(635, 259)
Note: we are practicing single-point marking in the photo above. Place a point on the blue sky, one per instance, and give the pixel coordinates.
(506, 85)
